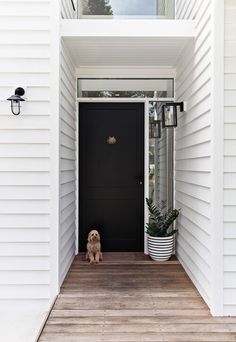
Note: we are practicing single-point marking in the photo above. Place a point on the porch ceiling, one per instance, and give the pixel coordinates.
(109, 45)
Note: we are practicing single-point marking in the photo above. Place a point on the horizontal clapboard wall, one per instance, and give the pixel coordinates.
(187, 9)
(230, 161)
(69, 9)
(67, 234)
(25, 156)
(193, 148)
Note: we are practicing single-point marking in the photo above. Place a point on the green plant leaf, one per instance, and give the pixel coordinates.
(160, 219)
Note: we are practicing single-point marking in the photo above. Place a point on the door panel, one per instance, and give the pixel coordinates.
(111, 186)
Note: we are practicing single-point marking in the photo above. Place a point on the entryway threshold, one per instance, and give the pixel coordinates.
(126, 258)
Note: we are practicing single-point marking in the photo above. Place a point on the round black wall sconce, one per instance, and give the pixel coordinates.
(15, 100)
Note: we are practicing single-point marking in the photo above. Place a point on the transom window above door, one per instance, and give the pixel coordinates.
(134, 88)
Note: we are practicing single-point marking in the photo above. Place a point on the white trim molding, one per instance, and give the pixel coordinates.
(217, 193)
(128, 28)
(54, 149)
(121, 72)
(146, 145)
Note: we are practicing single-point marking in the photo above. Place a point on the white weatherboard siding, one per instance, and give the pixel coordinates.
(187, 9)
(67, 235)
(230, 161)
(67, 164)
(67, 11)
(193, 149)
(28, 196)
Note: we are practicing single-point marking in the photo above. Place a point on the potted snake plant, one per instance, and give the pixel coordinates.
(160, 231)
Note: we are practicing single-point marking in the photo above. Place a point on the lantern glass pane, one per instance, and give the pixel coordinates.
(156, 131)
(169, 115)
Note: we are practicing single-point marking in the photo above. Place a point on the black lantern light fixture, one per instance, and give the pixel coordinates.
(15, 100)
(156, 129)
(169, 113)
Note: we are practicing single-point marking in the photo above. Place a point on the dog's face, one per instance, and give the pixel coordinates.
(93, 236)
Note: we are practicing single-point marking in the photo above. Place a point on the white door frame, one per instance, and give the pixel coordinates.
(146, 151)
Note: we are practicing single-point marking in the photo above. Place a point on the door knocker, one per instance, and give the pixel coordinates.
(111, 140)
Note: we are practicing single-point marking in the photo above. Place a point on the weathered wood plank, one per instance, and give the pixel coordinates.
(137, 320)
(169, 328)
(128, 303)
(138, 337)
(132, 300)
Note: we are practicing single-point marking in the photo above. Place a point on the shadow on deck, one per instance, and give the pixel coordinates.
(128, 297)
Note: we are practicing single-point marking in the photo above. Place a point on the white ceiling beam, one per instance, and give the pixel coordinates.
(127, 28)
(118, 72)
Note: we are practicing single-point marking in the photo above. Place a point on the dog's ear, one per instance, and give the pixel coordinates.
(89, 237)
(98, 236)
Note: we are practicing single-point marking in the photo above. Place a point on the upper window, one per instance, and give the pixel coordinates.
(126, 88)
(160, 9)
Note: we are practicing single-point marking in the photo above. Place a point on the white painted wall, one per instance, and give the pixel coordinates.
(187, 9)
(195, 173)
(199, 151)
(230, 161)
(28, 44)
(68, 168)
(67, 11)
(34, 199)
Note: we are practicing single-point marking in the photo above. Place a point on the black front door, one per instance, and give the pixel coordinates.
(111, 175)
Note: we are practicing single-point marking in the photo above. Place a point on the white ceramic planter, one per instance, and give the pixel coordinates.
(160, 248)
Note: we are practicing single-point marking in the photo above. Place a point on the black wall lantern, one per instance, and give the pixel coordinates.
(156, 129)
(169, 113)
(15, 100)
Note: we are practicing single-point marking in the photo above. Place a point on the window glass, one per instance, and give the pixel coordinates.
(160, 160)
(125, 88)
(132, 8)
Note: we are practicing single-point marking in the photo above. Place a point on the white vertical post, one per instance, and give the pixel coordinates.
(54, 147)
(217, 186)
(79, 9)
(77, 180)
(146, 170)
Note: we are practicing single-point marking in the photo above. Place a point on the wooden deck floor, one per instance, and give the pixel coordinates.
(130, 298)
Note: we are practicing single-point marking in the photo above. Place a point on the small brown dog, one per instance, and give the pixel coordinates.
(94, 254)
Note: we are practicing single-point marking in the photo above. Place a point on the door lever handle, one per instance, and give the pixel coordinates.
(140, 180)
